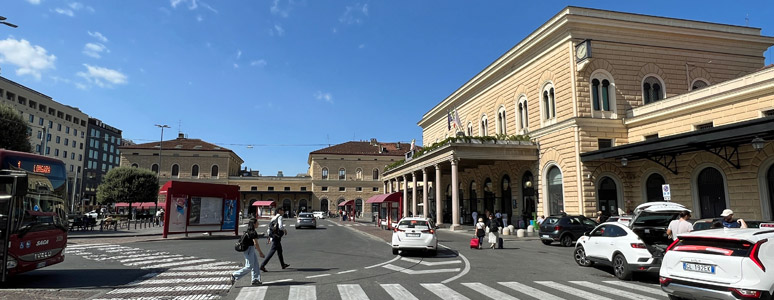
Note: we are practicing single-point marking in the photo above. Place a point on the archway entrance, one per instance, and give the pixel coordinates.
(506, 206)
(359, 207)
(608, 196)
(302, 206)
(489, 197)
(528, 200)
(324, 205)
(770, 180)
(287, 206)
(712, 192)
(473, 201)
(653, 187)
(555, 191)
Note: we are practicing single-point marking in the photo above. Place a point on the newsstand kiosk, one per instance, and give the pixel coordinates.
(390, 208)
(191, 207)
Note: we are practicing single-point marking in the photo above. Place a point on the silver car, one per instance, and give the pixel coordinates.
(415, 234)
(306, 220)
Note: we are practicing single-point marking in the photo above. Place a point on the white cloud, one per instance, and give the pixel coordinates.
(327, 97)
(258, 63)
(95, 49)
(81, 86)
(66, 12)
(239, 53)
(199, 18)
(279, 30)
(361, 46)
(236, 66)
(102, 77)
(30, 60)
(193, 4)
(35, 2)
(73, 7)
(354, 14)
(98, 36)
(282, 10)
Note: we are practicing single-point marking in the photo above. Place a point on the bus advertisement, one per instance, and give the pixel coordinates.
(33, 216)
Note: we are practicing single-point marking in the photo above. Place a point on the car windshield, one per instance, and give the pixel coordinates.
(551, 221)
(306, 215)
(655, 218)
(413, 224)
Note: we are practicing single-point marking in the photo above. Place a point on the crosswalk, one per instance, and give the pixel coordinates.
(544, 290)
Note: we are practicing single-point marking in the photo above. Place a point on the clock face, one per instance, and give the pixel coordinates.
(580, 51)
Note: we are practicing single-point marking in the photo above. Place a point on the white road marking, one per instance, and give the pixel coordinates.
(413, 272)
(252, 293)
(180, 263)
(427, 263)
(638, 287)
(302, 293)
(464, 271)
(444, 292)
(157, 289)
(187, 297)
(150, 256)
(321, 275)
(530, 291)
(488, 291)
(384, 263)
(206, 273)
(351, 291)
(398, 292)
(223, 265)
(151, 261)
(183, 280)
(276, 281)
(571, 290)
(618, 293)
(347, 271)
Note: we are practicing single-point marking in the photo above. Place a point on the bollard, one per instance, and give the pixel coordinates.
(506, 231)
(520, 233)
(530, 231)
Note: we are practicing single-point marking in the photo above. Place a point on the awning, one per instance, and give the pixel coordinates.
(348, 202)
(394, 197)
(264, 203)
(137, 204)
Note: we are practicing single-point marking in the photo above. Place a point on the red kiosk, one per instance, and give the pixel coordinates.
(348, 208)
(263, 208)
(199, 207)
(390, 208)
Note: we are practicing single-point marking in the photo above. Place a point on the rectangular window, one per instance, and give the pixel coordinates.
(359, 189)
(72, 168)
(58, 127)
(271, 188)
(40, 135)
(303, 188)
(65, 154)
(81, 146)
(605, 143)
(342, 189)
(72, 155)
(48, 150)
(325, 189)
(75, 132)
(37, 148)
(40, 121)
(375, 189)
(704, 126)
(768, 113)
(651, 137)
(57, 139)
(48, 137)
(56, 152)
(253, 188)
(51, 124)
(67, 129)
(22, 100)
(32, 118)
(287, 188)
(80, 157)
(67, 141)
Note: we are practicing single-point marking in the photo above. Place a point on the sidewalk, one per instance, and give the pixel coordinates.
(386, 235)
(131, 232)
(470, 230)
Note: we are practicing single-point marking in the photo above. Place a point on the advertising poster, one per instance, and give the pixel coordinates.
(177, 215)
(205, 211)
(229, 215)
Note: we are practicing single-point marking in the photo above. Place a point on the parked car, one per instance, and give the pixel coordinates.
(703, 224)
(720, 264)
(624, 220)
(564, 229)
(92, 214)
(415, 233)
(306, 220)
(319, 214)
(638, 247)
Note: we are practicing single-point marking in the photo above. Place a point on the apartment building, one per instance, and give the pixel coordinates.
(102, 155)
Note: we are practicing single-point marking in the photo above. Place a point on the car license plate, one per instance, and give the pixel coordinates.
(545, 236)
(41, 264)
(709, 269)
(412, 235)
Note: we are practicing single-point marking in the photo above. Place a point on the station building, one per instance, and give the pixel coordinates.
(595, 111)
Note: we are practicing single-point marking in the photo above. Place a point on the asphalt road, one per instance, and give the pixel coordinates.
(330, 262)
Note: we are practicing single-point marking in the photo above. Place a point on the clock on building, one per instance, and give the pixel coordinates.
(583, 50)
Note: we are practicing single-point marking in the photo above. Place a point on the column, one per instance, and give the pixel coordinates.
(455, 196)
(438, 207)
(384, 189)
(425, 204)
(405, 196)
(413, 193)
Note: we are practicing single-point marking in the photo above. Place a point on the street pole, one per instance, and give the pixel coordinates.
(161, 141)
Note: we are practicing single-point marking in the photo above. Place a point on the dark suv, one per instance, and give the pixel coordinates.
(564, 229)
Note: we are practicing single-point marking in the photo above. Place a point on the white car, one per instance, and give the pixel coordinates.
(92, 214)
(637, 247)
(319, 214)
(414, 234)
(727, 263)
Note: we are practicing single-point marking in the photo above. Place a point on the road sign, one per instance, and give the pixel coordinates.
(667, 192)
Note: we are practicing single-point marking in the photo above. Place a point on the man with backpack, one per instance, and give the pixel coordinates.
(276, 232)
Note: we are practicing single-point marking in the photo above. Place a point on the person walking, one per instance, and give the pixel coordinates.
(251, 263)
(276, 232)
(680, 226)
(474, 214)
(480, 231)
(729, 222)
(493, 231)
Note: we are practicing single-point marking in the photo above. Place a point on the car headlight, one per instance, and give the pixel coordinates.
(11, 263)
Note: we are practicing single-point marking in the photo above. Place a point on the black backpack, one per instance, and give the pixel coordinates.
(274, 230)
(493, 226)
(241, 244)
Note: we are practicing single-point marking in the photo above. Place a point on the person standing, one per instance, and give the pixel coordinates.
(541, 219)
(276, 232)
(493, 231)
(729, 222)
(251, 263)
(475, 217)
(480, 231)
(680, 226)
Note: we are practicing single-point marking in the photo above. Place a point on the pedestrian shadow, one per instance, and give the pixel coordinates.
(74, 278)
(644, 277)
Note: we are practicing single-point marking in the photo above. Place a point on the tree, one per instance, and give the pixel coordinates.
(13, 130)
(128, 185)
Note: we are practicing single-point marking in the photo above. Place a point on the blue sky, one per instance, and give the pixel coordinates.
(287, 77)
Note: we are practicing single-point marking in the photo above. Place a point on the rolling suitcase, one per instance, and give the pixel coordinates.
(499, 243)
(474, 243)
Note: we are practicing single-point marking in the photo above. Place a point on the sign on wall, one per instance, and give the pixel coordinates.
(177, 217)
(667, 192)
(229, 215)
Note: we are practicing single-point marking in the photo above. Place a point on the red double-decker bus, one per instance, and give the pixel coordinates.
(33, 216)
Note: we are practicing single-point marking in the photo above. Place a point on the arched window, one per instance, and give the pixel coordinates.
(482, 129)
(214, 173)
(155, 168)
(501, 121)
(324, 173)
(195, 171)
(135, 166)
(652, 89)
(712, 192)
(358, 205)
(607, 195)
(470, 129)
(699, 84)
(600, 94)
(523, 121)
(375, 175)
(342, 174)
(653, 187)
(549, 102)
(324, 205)
(175, 171)
(555, 190)
(359, 174)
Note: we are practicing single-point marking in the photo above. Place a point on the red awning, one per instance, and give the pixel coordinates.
(348, 202)
(394, 197)
(264, 203)
(137, 204)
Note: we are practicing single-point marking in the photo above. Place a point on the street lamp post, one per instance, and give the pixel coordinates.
(161, 141)
(2, 21)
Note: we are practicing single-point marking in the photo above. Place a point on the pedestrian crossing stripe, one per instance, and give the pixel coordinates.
(571, 290)
(491, 293)
(619, 293)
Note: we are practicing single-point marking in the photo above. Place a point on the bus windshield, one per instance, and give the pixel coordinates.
(44, 204)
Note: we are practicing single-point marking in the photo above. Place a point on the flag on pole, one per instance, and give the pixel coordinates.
(448, 120)
(457, 121)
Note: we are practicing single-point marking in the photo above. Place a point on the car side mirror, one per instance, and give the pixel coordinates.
(587, 233)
